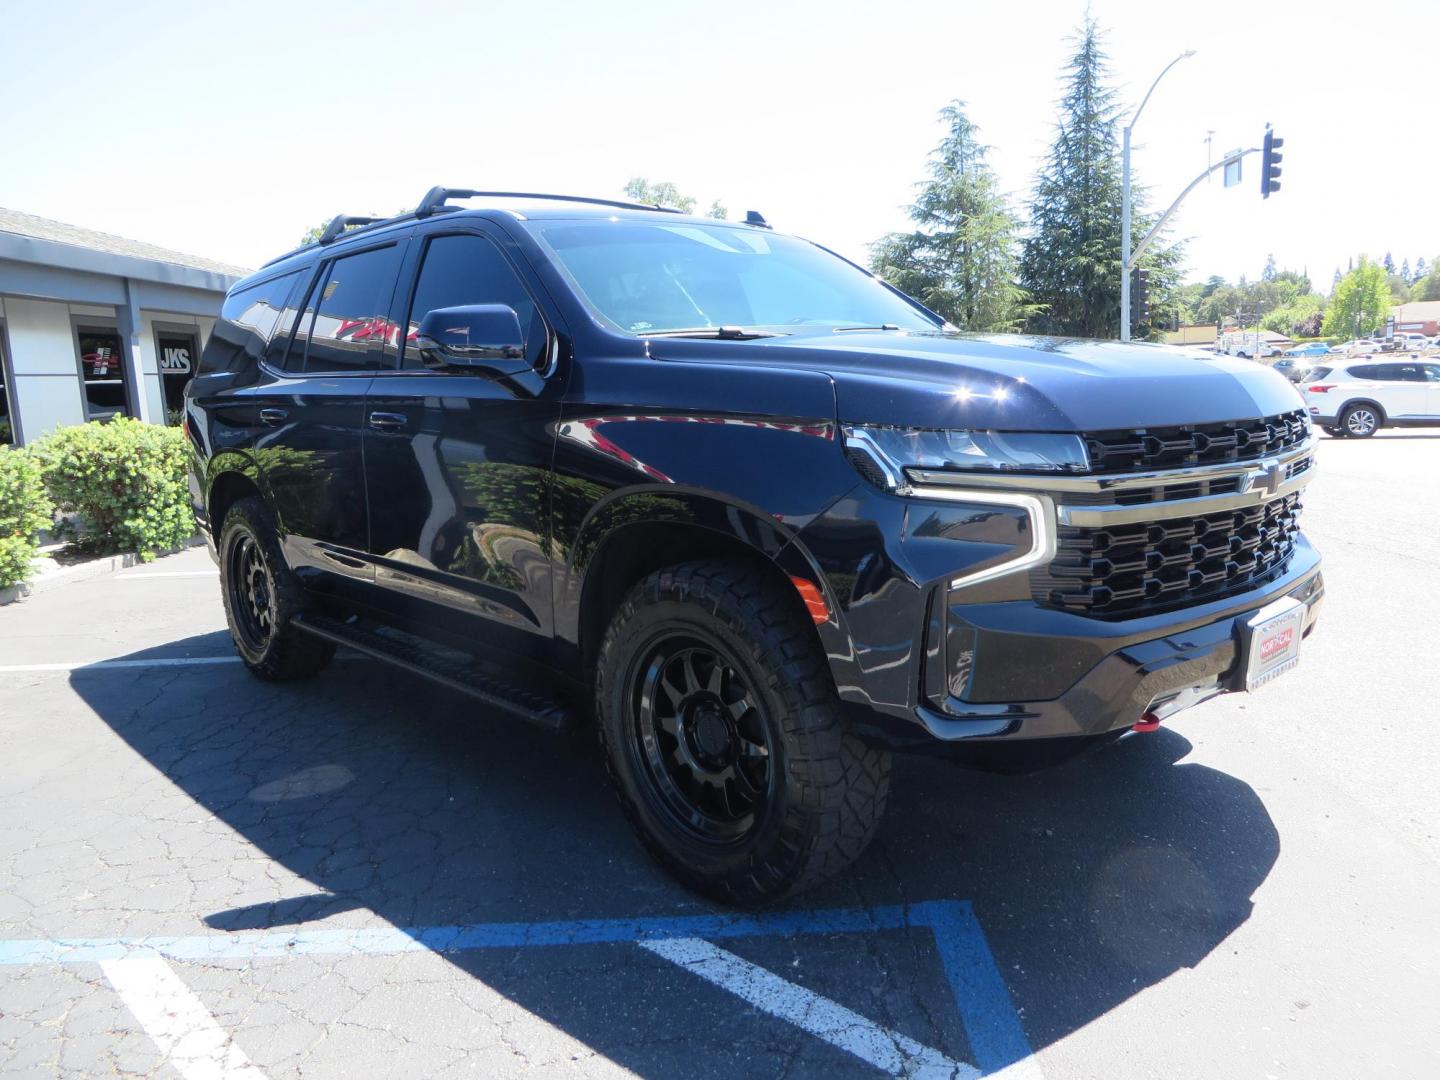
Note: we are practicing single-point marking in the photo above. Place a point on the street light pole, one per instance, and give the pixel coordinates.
(1125, 198)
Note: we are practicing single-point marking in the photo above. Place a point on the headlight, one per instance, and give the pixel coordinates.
(883, 453)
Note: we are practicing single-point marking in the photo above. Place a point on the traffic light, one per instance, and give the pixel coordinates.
(1270, 164)
(1140, 296)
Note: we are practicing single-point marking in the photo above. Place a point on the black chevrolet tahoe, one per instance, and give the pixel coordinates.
(751, 513)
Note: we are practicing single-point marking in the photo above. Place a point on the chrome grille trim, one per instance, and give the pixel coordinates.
(1100, 482)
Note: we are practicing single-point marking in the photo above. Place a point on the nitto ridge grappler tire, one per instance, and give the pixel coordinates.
(262, 598)
(722, 733)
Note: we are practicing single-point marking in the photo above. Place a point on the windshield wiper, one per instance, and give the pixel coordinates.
(727, 333)
(881, 326)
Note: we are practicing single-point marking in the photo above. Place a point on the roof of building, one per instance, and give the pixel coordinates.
(58, 232)
(1423, 310)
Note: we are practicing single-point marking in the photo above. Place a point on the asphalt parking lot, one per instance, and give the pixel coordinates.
(205, 876)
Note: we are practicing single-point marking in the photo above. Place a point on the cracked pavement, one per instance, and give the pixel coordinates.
(1247, 892)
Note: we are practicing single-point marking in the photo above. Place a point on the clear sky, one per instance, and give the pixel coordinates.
(226, 129)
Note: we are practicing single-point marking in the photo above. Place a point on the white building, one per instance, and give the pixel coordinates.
(93, 325)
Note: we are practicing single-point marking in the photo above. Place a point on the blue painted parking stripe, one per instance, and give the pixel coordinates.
(992, 1026)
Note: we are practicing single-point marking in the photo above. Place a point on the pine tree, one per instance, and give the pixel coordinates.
(961, 260)
(1388, 263)
(1421, 269)
(1337, 278)
(1071, 261)
(1405, 272)
(1268, 274)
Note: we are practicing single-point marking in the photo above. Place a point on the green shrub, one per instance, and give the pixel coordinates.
(124, 480)
(24, 510)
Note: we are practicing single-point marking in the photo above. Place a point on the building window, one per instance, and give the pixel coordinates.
(103, 372)
(7, 419)
(176, 352)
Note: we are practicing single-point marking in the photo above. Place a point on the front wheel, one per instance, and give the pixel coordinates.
(1360, 421)
(722, 732)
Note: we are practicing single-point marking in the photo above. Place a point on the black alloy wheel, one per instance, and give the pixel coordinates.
(701, 738)
(724, 737)
(263, 599)
(252, 592)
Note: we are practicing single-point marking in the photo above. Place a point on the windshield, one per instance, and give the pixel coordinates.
(652, 277)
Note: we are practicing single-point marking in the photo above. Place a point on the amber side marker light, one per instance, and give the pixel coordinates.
(814, 599)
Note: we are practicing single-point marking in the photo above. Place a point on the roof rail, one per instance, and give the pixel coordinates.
(340, 222)
(435, 199)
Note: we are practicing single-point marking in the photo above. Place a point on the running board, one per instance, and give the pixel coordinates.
(459, 675)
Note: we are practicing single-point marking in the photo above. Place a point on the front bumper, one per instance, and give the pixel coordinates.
(1112, 673)
(924, 658)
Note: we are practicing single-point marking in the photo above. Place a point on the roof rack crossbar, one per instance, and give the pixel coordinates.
(340, 222)
(435, 199)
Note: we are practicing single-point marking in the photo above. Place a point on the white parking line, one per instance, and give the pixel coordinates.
(145, 575)
(888, 1050)
(102, 665)
(181, 1026)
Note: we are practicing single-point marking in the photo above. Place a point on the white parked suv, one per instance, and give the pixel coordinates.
(1358, 399)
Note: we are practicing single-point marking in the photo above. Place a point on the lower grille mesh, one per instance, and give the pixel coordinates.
(1128, 570)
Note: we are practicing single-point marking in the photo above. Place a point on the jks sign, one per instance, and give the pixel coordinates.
(175, 356)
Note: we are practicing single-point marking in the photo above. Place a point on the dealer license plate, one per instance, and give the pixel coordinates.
(1272, 637)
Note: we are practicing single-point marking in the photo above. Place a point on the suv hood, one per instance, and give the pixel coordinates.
(1018, 383)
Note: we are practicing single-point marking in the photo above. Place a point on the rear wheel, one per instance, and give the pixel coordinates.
(722, 733)
(262, 598)
(1360, 421)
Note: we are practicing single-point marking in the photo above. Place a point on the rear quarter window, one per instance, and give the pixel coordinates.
(247, 319)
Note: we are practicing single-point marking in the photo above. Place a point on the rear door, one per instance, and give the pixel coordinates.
(458, 465)
(311, 401)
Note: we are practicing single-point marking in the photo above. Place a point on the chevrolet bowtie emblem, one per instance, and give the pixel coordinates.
(1268, 478)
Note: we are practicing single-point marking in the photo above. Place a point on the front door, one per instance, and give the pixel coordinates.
(1431, 373)
(458, 464)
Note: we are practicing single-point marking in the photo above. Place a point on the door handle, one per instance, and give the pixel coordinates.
(273, 417)
(387, 421)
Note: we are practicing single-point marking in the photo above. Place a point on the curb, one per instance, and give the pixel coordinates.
(85, 571)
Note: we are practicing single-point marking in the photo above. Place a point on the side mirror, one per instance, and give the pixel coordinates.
(480, 337)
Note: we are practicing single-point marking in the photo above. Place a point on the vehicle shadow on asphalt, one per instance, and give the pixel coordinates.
(1092, 880)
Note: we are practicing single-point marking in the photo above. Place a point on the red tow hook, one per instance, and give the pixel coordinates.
(1147, 722)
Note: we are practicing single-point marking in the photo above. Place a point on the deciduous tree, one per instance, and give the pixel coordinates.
(665, 193)
(1360, 303)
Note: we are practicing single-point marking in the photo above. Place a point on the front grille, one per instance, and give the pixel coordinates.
(1143, 449)
(1128, 570)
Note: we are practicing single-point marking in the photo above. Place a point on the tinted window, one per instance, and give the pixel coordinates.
(1364, 371)
(1432, 372)
(176, 354)
(103, 373)
(1319, 373)
(350, 313)
(469, 269)
(1407, 372)
(247, 319)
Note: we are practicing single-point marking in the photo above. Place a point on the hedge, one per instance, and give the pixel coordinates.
(25, 509)
(125, 482)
